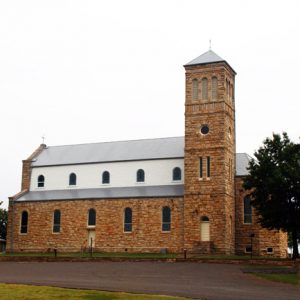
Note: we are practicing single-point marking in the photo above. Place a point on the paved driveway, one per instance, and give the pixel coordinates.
(196, 280)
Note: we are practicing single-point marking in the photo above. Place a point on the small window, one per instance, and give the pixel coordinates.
(92, 217)
(166, 219)
(269, 250)
(72, 179)
(140, 175)
(204, 129)
(105, 177)
(41, 181)
(56, 221)
(176, 174)
(214, 88)
(195, 89)
(248, 249)
(201, 167)
(247, 210)
(127, 219)
(204, 89)
(208, 166)
(24, 222)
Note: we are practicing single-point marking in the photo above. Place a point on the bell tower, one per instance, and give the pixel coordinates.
(209, 159)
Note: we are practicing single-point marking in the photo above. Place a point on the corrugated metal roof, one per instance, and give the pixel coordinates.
(242, 162)
(106, 193)
(205, 58)
(162, 148)
(111, 151)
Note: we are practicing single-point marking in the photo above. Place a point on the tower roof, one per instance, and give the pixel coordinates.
(207, 58)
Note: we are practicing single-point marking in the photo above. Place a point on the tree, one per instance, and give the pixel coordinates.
(274, 184)
(3, 222)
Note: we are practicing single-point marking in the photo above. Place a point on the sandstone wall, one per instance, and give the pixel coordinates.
(146, 235)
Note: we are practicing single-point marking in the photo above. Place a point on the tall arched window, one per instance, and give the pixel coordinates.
(127, 219)
(105, 177)
(176, 174)
(247, 210)
(92, 217)
(204, 88)
(41, 181)
(205, 236)
(140, 175)
(72, 179)
(214, 88)
(24, 222)
(195, 89)
(56, 221)
(166, 218)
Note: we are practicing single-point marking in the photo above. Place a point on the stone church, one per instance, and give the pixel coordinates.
(151, 195)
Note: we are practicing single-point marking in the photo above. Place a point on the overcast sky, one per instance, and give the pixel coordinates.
(92, 71)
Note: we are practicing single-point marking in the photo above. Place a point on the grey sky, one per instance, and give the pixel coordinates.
(91, 71)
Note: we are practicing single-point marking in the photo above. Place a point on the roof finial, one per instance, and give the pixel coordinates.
(209, 44)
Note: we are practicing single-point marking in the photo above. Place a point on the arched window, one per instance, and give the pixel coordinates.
(140, 175)
(195, 89)
(166, 218)
(41, 181)
(105, 177)
(24, 222)
(247, 210)
(204, 88)
(205, 236)
(127, 219)
(214, 88)
(92, 217)
(72, 179)
(176, 174)
(56, 221)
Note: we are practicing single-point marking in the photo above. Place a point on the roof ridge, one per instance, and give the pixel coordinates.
(118, 141)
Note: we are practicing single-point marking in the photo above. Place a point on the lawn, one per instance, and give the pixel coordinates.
(285, 278)
(26, 292)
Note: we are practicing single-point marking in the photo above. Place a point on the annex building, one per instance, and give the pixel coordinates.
(165, 194)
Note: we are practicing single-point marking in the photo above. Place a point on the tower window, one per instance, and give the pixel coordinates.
(208, 166)
(247, 210)
(92, 217)
(105, 177)
(195, 89)
(72, 179)
(201, 167)
(204, 129)
(127, 219)
(41, 181)
(176, 174)
(24, 222)
(166, 218)
(214, 89)
(140, 175)
(56, 221)
(204, 88)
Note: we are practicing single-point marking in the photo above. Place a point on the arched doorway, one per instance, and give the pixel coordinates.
(204, 229)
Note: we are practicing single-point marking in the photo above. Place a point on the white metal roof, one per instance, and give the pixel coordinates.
(207, 57)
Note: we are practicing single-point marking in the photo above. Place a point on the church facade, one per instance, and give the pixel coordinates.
(152, 195)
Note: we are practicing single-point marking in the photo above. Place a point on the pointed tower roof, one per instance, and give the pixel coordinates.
(207, 58)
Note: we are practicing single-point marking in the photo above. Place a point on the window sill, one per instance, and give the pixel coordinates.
(55, 232)
(176, 181)
(72, 186)
(89, 227)
(140, 182)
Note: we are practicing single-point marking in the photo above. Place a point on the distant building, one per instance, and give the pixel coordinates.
(148, 195)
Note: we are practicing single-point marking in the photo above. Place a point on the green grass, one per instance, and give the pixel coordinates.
(25, 292)
(285, 278)
(95, 254)
(236, 257)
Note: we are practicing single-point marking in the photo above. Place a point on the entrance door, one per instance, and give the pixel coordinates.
(91, 238)
(205, 237)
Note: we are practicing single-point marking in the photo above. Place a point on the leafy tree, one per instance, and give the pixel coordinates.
(3, 222)
(274, 182)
